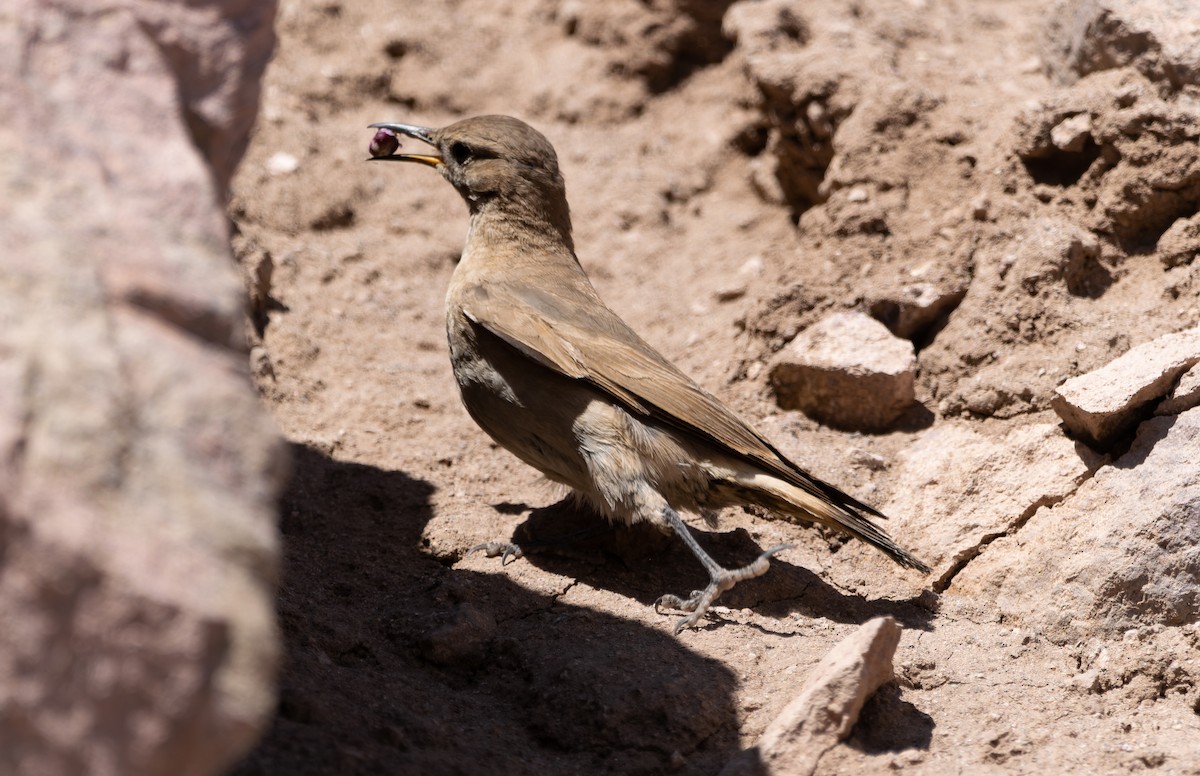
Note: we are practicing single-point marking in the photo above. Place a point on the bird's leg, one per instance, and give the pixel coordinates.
(720, 578)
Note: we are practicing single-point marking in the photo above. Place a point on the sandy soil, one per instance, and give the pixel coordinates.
(718, 233)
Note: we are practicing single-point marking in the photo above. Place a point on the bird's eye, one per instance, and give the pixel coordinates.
(460, 152)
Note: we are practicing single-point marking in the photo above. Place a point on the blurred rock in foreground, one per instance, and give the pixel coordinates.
(138, 471)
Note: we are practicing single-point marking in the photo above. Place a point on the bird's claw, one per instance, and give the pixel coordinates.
(505, 551)
(671, 601)
(698, 603)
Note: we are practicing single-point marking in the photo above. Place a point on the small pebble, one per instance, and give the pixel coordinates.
(282, 163)
(730, 293)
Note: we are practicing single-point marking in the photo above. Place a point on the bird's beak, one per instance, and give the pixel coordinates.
(424, 134)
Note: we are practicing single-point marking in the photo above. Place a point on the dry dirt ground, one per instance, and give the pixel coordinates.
(734, 173)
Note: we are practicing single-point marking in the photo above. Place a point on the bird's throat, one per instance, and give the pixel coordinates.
(496, 224)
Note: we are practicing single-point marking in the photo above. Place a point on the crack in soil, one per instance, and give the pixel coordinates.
(570, 584)
(942, 583)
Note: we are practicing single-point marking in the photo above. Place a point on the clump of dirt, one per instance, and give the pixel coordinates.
(1015, 196)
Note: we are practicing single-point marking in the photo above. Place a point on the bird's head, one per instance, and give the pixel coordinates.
(488, 159)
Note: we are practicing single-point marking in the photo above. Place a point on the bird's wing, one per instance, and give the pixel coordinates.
(587, 341)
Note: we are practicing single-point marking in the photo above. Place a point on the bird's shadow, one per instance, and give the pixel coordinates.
(643, 563)
(396, 663)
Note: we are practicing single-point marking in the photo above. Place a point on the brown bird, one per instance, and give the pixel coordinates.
(559, 380)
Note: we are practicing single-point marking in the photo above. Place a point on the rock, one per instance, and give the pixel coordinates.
(1072, 133)
(847, 370)
(1180, 243)
(1184, 396)
(217, 52)
(963, 488)
(1050, 251)
(765, 25)
(827, 707)
(730, 293)
(1121, 552)
(914, 307)
(1161, 40)
(1103, 404)
(138, 471)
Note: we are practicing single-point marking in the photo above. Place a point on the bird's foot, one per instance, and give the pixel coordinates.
(723, 579)
(503, 550)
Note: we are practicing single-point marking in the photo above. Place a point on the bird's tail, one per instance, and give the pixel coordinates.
(831, 508)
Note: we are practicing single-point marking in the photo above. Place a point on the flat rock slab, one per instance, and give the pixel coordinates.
(1122, 551)
(848, 371)
(1103, 404)
(964, 488)
(827, 707)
